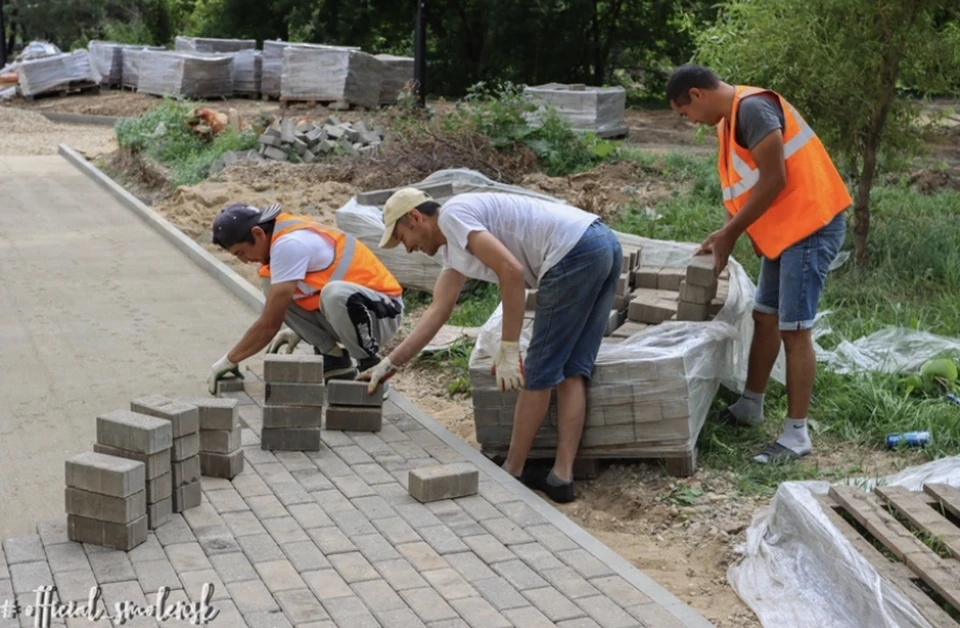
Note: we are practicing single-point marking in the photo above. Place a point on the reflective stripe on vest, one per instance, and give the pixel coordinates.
(343, 265)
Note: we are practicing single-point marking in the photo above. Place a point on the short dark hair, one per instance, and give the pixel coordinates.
(687, 77)
(225, 241)
(428, 208)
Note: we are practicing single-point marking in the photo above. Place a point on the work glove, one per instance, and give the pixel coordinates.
(508, 367)
(377, 374)
(284, 337)
(221, 369)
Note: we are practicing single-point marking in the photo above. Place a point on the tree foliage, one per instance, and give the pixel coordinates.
(843, 64)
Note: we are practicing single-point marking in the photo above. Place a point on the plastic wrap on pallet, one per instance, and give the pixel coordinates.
(130, 77)
(56, 72)
(107, 58)
(596, 109)
(247, 72)
(329, 73)
(182, 74)
(273, 66)
(397, 72)
(38, 50)
(209, 45)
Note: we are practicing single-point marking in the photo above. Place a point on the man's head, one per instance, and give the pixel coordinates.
(410, 218)
(245, 231)
(698, 95)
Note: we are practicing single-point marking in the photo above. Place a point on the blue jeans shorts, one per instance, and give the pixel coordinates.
(574, 300)
(790, 286)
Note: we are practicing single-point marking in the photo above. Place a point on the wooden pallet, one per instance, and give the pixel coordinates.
(335, 105)
(895, 520)
(588, 464)
(69, 90)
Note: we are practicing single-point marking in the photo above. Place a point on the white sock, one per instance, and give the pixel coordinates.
(795, 436)
(749, 408)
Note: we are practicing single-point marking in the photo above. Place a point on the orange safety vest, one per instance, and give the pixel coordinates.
(353, 261)
(814, 194)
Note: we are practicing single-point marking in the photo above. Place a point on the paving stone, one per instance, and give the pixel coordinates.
(422, 556)
(220, 441)
(274, 473)
(312, 480)
(227, 500)
(260, 548)
(154, 464)
(249, 484)
(409, 450)
(121, 536)
(51, 531)
(536, 556)
(655, 615)
(295, 460)
(222, 465)
(279, 575)
(216, 413)
(375, 547)
(373, 474)
(284, 394)
(488, 548)
(185, 471)
(395, 494)
(553, 604)
(353, 523)
(285, 530)
(185, 447)
(251, 596)
(310, 515)
(428, 605)
(184, 417)
(620, 591)
(292, 417)
(521, 514)
(224, 544)
(354, 419)
(569, 582)
(449, 623)
(233, 567)
(111, 566)
(399, 618)
(341, 392)
(378, 596)
(500, 593)
(506, 531)
(479, 613)
(228, 616)
(353, 455)
(266, 506)
(293, 368)
(552, 538)
(333, 466)
(478, 507)
(187, 557)
(583, 622)
(352, 486)
(606, 613)
(27, 577)
(292, 494)
(187, 496)
(400, 574)
(72, 586)
(353, 567)
(24, 549)
(459, 522)
(205, 521)
(66, 557)
(337, 439)
(305, 556)
(442, 539)
(374, 444)
(291, 439)
(331, 541)
(327, 584)
(301, 606)
(417, 515)
(159, 488)
(351, 611)
(133, 431)
(396, 530)
(255, 455)
(194, 581)
(494, 492)
(449, 583)
(174, 531)
(470, 566)
(103, 474)
(528, 617)
(443, 482)
(585, 563)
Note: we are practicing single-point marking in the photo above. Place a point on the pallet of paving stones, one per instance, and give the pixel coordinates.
(911, 538)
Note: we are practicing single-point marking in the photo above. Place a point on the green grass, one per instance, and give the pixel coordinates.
(913, 281)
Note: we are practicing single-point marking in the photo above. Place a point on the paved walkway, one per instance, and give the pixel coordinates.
(317, 540)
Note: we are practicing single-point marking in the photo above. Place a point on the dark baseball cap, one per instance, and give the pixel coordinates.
(235, 221)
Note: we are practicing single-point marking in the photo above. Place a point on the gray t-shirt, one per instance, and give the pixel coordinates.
(757, 117)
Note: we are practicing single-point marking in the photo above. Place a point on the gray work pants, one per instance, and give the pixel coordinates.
(360, 319)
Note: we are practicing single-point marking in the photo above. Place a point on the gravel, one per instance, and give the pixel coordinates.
(27, 133)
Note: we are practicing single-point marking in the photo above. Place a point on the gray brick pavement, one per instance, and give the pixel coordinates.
(332, 539)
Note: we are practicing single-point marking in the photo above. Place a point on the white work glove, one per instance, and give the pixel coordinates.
(222, 368)
(379, 373)
(508, 367)
(284, 337)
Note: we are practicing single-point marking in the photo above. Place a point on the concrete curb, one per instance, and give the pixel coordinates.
(80, 118)
(240, 287)
(220, 271)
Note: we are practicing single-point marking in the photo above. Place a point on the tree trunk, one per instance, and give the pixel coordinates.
(861, 207)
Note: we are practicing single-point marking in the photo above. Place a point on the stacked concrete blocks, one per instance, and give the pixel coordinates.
(106, 501)
(446, 481)
(221, 455)
(293, 402)
(146, 439)
(700, 294)
(351, 408)
(184, 421)
(311, 141)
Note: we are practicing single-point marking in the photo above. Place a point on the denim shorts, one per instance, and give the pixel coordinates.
(790, 286)
(574, 300)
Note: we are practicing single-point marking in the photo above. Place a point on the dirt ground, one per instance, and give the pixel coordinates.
(681, 532)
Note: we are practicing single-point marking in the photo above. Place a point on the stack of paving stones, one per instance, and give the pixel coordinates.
(106, 501)
(693, 293)
(445, 481)
(146, 439)
(221, 455)
(351, 408)
(306, 142)
(293, 402)
(185, 453)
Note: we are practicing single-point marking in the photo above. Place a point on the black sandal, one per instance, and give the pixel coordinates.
(777, 454)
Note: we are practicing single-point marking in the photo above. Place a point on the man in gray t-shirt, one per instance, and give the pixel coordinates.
(757, 117)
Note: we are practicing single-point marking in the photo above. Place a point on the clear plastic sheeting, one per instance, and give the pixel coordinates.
(107, 58)
(272, 67)
(888, 350)
(397, 72)
(39, 50)
(205, 44)
(330, 73)
(57, 72)
(596, 109)
(130, 77)
(247, 72)
(800, 571)
(182, 74)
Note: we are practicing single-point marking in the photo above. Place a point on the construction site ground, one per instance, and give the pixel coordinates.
(681, 532)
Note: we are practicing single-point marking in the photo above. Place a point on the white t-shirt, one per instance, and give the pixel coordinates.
(297, 253)
(538, 233)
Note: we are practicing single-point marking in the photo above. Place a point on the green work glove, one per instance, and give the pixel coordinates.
(221, 369)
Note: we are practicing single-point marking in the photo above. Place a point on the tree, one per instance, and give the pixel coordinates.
(842, 63)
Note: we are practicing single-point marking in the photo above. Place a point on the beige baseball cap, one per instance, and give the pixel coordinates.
(397, 206)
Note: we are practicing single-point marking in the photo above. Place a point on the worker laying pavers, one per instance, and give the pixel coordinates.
(781, 188)
(329, 288)
(571, 258)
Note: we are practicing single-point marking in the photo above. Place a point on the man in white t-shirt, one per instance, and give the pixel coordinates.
(329, 288)
(518, 242)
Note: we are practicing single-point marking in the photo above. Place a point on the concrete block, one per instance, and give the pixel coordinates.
(294, 368)
(448, 481)
(187, 496)
(607, 435)
(621, 302)
(186, 471)
(281, 417)
(104, 507)
(714, 307)
(121, 536)
(185, 447)
(531, 302)
(700, 271)
(220, 441)
(333, 120)
(306, 127)
(276, 154)
(653, 313)
(354, 419)
(691, 311)
(300, 146)
(669, 278)
(159, 488)
(697, 294)
(324, 147)
(159, 513)
(154, 464)
(629, 328)
(229, 385)
(625, 264)
(270, 141)
(308, 157)
(287, 131)
(226, 466)
(343, 392)
(334, 131)
(290, 439)
(614, 321)
(286, 394)
(184, 417)
(313, 137)
(486, 416)
(133, 431)
(216, 414)
(273, 131)
(671, 409)
(105, 475)
(624, 285)
(646, 277)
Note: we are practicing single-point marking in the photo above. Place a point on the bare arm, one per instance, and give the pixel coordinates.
(768, 155)
(445, 293)
(509, 271)
(262, 331)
